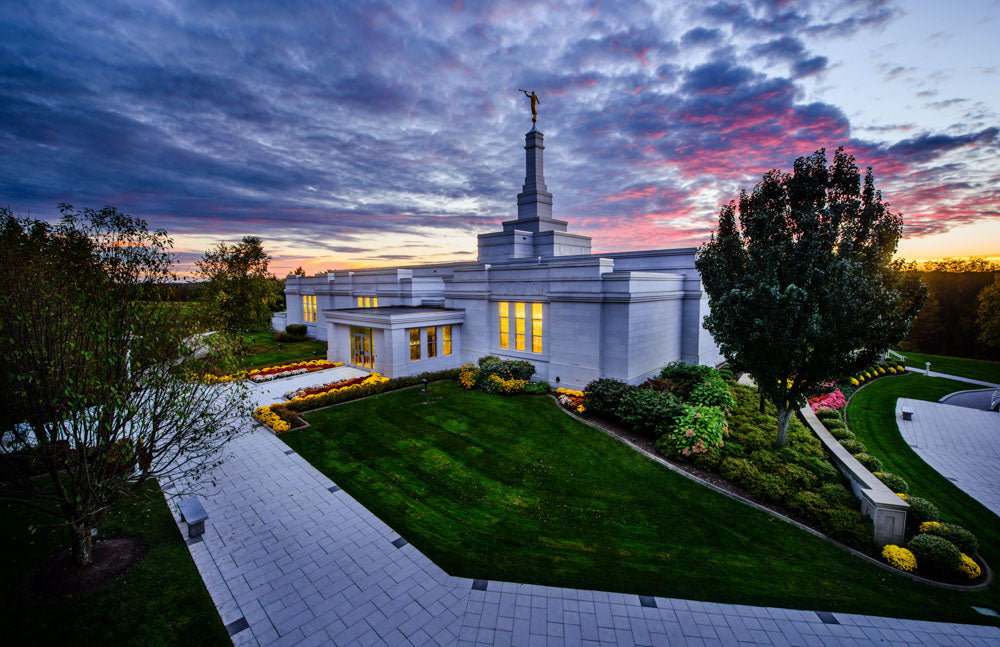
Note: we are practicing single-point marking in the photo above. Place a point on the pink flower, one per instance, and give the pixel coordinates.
(722, 443)
(689, 433)
(686, 452)
(697, 415)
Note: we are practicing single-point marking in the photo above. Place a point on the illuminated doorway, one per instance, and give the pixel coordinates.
(362, 349)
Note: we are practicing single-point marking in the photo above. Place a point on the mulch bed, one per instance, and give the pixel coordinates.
(60, 577)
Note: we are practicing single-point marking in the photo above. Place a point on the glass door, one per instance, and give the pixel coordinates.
(362, 348)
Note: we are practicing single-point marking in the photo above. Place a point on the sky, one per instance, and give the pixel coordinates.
(351, 134)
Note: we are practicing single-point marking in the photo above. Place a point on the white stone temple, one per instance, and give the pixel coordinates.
(535, 293)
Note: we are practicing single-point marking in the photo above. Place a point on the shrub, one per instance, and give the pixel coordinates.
(853, 446)
(686, 376)
(838, 495)
(538, 388)
(936, 554)
(285, 338)
(895, 483)
(503, 386)
(296, 330)
(698, 430)
(649, 412)
(713, 392)
(921, 510)
(605, 395)
(871, 463)
(468, 376)
(822, 469)
(507, 369)
(829, 414)
(834, 424)
(968, 567)
(796, 477)
(848, 526)
(843, 434)
(965, 540)
(810, 505)
(900, 558)
(741, 472)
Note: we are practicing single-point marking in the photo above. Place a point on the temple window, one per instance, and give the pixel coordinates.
(519, 325)
(309, 308)
(432, 348)
(446, 340)
(414, 343)
(504, 324)
(536, 327)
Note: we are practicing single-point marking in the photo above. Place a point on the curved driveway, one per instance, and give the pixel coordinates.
(961, 443)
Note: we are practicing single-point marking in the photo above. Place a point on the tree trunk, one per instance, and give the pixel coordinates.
(784, 417)
(82, 544)
(762, 403)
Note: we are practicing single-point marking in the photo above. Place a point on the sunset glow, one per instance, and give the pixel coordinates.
(365, 134)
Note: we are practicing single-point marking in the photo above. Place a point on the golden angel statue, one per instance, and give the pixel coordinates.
(534, 103)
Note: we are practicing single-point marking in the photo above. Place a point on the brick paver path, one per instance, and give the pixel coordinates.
(962, 444)
(290, 559)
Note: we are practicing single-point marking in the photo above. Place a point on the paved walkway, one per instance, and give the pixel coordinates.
(962, 444)
(290, 559)
(958, 378)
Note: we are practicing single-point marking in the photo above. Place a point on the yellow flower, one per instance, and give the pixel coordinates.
(581, 409)
(969, 568)
(900, 558)
(927, 526)
(854, 382)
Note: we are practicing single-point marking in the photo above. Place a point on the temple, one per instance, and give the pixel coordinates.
(535, 292)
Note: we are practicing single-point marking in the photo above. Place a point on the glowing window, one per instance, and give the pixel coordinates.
(414, 343)
(309, 308)
(368, 302)
(446, 340)
(374, 302)
(432, 344)
(360, 302)
(536, 327)
(519, 325)
(504, 325)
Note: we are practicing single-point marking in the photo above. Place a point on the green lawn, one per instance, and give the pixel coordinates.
(262, 350)
(976, 369)
(871, 416)
(161, 601)
(513, 489)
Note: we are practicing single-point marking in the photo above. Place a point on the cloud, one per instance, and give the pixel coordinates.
(334, 130)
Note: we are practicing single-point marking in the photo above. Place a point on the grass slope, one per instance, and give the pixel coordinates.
(871, 416)
(976, 369)
(513, 489)
(262, 350)
(161, 601)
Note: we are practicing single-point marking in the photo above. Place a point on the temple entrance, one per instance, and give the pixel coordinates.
(362, 348)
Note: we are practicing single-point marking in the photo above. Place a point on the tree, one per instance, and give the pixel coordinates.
(802, 290)
(988, 315)
(927, 330)
(96, 387)
(299, 271)
(239, 290)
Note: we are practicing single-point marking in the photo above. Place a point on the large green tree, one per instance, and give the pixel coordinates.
(988, 315)
(96, 388)
(801, 285)
(239, 290)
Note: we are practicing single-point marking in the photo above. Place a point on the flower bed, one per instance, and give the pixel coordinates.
(333, 386)
(269, 373)
(288, 370)
(501, 376)
(571, 399)
(372, 384)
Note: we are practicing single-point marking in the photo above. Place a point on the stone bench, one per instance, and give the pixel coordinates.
(193, 513)
(886, 509)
